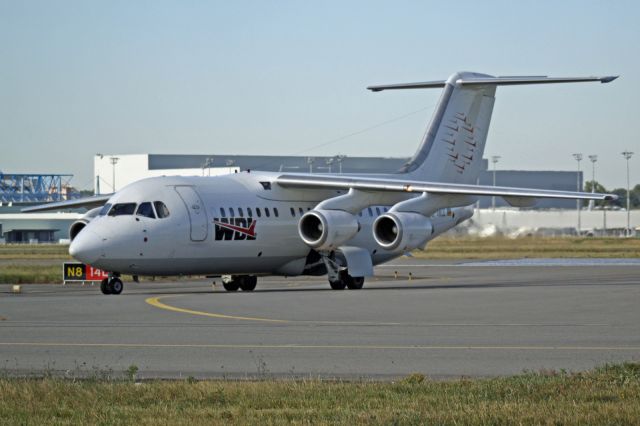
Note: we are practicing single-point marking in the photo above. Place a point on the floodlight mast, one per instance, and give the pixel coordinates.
(627, 155)
(578, 158)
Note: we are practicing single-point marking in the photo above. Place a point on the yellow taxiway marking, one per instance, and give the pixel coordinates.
(338, 347)
(155, 301)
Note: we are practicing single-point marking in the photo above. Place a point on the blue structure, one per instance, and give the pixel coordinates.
(34, 188)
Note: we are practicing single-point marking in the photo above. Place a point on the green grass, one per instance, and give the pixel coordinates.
(608, 395)
(30, 274)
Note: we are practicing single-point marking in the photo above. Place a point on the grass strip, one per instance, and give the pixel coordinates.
(530, 247)
(607, 395)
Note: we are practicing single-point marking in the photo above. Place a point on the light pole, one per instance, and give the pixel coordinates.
(329, 163)
(207, 165)
(494, 160)
(114, 161)
(578, 158)
(310, 161)
(339, 159)
(627, 155)
(593, 159)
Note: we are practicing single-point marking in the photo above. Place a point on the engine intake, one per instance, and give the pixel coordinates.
(80, 224)
(327, 229)
(402, 231)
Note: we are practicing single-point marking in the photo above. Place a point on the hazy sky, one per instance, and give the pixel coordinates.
(191, 77)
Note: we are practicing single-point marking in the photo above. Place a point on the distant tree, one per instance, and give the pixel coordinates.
(622, 197)
(86, 193)
(598, 188)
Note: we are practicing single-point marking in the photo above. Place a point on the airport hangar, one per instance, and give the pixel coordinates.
(21, 190)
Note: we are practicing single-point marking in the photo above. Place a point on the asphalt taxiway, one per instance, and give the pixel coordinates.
(450, 319)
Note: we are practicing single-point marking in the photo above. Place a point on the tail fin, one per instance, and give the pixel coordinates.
(454, 143)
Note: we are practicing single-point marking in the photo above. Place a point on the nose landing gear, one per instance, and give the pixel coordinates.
(111, 285)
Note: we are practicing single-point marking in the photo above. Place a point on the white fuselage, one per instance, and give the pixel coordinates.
(233, 224)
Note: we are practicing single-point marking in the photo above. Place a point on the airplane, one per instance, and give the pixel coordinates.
(249, 224)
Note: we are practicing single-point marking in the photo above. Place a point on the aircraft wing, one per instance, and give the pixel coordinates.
(399, 185)
(88, 202)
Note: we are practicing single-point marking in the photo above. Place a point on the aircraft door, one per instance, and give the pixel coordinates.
(197, 213)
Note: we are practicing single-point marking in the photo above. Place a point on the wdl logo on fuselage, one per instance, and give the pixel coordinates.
(235, 228)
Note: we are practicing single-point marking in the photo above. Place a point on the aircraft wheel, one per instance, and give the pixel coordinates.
(248, 283)
(338, 285)
(231, 285)
(115, 285)
(354, 283)
(104, 286)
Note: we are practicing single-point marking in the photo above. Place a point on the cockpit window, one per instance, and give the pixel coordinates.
(146, 210)
(104, 210)
(122, 209)
(161, 209)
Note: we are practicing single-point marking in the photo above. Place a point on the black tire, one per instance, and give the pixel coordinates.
(231, 285)
(354, 283)
(248, 283)
(115, 285)
(104, 286)
(338, 285)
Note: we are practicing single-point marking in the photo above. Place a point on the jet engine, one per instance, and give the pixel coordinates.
(327, 229)
(402, 231)
(79, 224)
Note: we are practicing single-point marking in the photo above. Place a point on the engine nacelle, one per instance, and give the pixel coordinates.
(79, 224)
(327, 229)
(402, 231)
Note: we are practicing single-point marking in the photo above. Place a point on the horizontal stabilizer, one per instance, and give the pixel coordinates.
(497, 81)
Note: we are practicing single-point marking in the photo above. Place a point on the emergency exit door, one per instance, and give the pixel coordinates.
(197, 213)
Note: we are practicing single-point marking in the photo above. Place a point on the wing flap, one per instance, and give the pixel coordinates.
(396, 185)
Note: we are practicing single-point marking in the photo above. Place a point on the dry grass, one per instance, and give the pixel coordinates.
(609, 395)
(530, 247)
(34, 251)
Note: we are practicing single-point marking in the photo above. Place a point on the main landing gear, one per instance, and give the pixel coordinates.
(338, 275)
(111, 285)
(239, 282)
(345, 280)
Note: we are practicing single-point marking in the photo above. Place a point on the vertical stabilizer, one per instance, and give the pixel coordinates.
(452, 148)
(453, 145)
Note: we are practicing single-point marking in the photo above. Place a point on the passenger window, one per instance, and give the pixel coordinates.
(293, 212)
(258, 212)
(161, 210)
(378, 210)
(249, 212)
(275, 211)
(231, 212)
(122, 209)
(240, 212)
(301, 211)
(104, 210)
(146, 210)
(266, 212)
(222, 212)
(370, 211)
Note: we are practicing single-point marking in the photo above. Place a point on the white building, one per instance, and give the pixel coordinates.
(112, 172)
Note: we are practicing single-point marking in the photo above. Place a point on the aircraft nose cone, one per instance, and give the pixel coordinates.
(87, 247)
